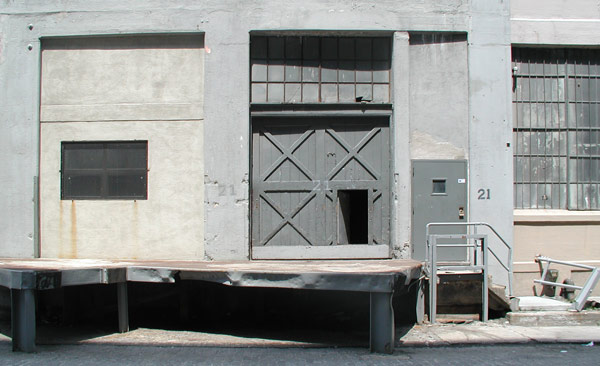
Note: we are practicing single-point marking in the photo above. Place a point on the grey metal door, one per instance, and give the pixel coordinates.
(439, 194)
(320, 187)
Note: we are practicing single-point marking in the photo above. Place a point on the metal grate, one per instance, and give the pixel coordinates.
(302, 69)
(556, 98)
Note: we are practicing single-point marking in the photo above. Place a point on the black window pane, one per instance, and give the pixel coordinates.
(439, 186)
(104, 170)
(82, 186)
(346, 48)
(311, 48)
(83, 156)
(126, 155)
(127, 185)
(381, 49)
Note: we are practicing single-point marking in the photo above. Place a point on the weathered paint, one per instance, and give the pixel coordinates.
(439, 96)
(225, 129)
(490, 125)
(121, 88)
(169, 224)
(559, 234)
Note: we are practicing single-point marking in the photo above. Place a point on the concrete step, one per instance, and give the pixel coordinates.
(539, 303)
(461, 292)
(550, 318)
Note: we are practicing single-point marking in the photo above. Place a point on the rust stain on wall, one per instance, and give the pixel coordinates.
(73, 230)
(61, 252)
(135, 231)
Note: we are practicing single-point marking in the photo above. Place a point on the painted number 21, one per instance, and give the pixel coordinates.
(483, 194)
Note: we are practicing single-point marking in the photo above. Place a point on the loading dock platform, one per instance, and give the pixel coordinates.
(378, 277)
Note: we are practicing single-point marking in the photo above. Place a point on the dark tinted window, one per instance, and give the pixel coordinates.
(104, 170)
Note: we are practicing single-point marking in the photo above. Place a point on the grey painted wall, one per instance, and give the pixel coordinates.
(226, 25)
(490, 125)
(439, 96)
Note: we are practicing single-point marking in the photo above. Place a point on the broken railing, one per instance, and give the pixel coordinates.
(585, 290)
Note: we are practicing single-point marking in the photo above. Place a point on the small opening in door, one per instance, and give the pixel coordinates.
(439, 186)
(353, 216)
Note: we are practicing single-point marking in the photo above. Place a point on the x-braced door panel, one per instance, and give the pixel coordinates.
(320, 187)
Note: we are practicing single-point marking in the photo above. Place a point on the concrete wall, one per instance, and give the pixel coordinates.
(115, 89)
(439, 96)
(490, 124)
(226, 26)
(555, 22)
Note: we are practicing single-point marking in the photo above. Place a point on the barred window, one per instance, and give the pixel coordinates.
(556, 99)
(302, 69)
(104, 170)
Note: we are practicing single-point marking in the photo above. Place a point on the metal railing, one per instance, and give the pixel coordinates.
(507, 266)
(479, 263)
(586, 289)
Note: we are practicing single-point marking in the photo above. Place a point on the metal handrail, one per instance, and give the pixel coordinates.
(481, 265)
(475, 224)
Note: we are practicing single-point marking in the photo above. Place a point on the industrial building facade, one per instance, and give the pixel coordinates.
(232, 130)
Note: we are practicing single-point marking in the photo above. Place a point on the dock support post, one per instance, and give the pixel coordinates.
(420, 305)
(123, 307)
(23, 319)
(382, 322)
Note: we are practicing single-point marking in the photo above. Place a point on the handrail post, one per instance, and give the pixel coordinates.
(484, 284)
(508, 267)
(433, 282)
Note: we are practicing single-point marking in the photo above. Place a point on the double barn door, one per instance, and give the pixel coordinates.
(320, 187)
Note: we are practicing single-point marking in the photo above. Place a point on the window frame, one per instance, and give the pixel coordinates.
(549, 157)
(104, 172)
(349, 75)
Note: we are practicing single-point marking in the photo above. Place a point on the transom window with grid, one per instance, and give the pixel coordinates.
(556, 100)
(303, 69)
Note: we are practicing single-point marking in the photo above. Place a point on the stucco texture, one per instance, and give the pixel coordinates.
(125, 89)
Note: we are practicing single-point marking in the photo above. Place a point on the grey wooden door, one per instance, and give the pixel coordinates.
(439, 194)
(320, 187)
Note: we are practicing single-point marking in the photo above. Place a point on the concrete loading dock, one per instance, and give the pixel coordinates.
(245, 156)
(379, 278)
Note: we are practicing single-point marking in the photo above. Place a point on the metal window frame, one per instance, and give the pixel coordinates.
(571, 129)
(104, 172)
(319, 60)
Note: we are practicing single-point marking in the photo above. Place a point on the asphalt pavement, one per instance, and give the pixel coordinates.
(99, 354)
